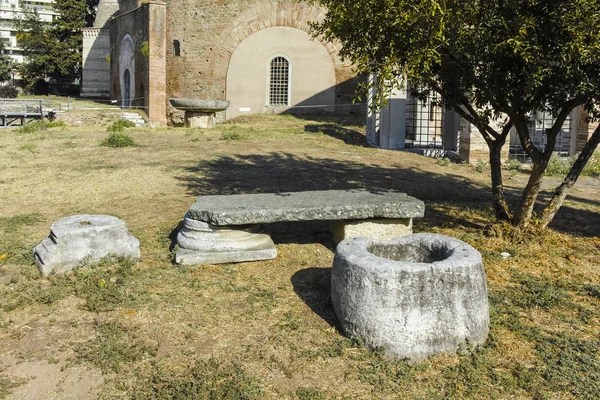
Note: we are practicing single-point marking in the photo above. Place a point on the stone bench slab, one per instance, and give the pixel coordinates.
(353, 204)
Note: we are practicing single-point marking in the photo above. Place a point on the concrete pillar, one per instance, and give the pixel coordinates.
(393, 121)
(450, 131)
(386, 128)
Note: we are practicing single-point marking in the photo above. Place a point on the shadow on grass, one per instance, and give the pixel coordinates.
(173, 236)
(346, 135)
(313, 286)
(285, 172)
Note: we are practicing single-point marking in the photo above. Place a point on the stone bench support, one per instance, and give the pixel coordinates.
(202, 243)
(224, 229)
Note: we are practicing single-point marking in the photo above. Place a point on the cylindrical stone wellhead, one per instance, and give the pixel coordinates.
(415, 296)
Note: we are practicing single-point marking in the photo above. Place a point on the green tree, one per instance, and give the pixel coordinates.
(52, 50)
(6, 65)
(495, 62)
(34, 40)
(91, 6)
(66, 30)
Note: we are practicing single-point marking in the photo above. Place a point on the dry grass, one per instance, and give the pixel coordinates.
(266, 329)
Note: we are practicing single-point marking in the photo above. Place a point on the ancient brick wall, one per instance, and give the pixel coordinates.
(208, 32)
(156, 96)
(150, 64)
(135, 24)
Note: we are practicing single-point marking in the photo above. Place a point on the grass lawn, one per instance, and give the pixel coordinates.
(266, 330)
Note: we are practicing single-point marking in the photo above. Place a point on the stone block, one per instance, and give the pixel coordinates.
(202, 243)
(381, 229)
(415, 296)
(83, 237)
(321, 205)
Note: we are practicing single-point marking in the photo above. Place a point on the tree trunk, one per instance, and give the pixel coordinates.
(530, 194)
(561, 192)
(500, 207)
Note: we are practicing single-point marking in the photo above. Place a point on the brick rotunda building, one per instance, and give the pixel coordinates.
(259, 55)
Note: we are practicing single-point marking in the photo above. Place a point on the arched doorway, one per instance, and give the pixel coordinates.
(127, 88)
(127, 71)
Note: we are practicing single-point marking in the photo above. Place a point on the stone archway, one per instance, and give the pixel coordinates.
(127, 71)
(269, 15)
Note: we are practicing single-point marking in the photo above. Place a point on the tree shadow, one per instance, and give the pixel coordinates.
(285, 172)
(173, 236)
(302, 232)
(313, 286)
(336, 131)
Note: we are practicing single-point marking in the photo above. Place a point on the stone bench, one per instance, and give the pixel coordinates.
(229, 228)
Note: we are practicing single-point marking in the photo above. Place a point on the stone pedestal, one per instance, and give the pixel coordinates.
(83, 237)
(377, 228)
(200, 113)
(202, 243)
(196, 119)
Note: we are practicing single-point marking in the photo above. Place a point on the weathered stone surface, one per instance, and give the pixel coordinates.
(380, 229)
(74, 238)
(200, 120)
(415, 296)
(304, 206)
(199, 105)
(201, 243)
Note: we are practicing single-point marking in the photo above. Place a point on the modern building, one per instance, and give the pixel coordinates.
(10, 10)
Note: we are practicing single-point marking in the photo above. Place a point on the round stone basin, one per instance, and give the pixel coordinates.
(414, 296)
(201, 106)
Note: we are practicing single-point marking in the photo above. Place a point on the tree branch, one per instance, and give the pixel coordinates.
(561, 191)
(525, 137)
(552, 133)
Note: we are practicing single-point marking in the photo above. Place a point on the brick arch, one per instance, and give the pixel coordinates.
(262, 16)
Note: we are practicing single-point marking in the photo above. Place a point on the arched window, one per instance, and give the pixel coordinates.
(279, 82)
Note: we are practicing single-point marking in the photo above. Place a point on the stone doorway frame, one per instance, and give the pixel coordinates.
(127, 64)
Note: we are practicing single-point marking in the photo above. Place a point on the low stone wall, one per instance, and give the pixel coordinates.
(89, 118)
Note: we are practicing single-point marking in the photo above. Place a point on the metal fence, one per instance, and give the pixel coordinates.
(537, 129)
(424, 123)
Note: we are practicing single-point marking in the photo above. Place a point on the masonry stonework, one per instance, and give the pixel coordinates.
(195, 41)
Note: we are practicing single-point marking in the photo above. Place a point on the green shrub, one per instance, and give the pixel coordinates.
(513, 165)
(592, 168)
(145, 49)
(559, 166)
(8, 92)
(231, 135)
(118, 139)
(36, 126)
(120, 125)
(481, 166)
(444, 162)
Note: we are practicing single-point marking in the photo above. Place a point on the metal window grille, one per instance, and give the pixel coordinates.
(279, 82)
(537, 129)
(424, 122)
